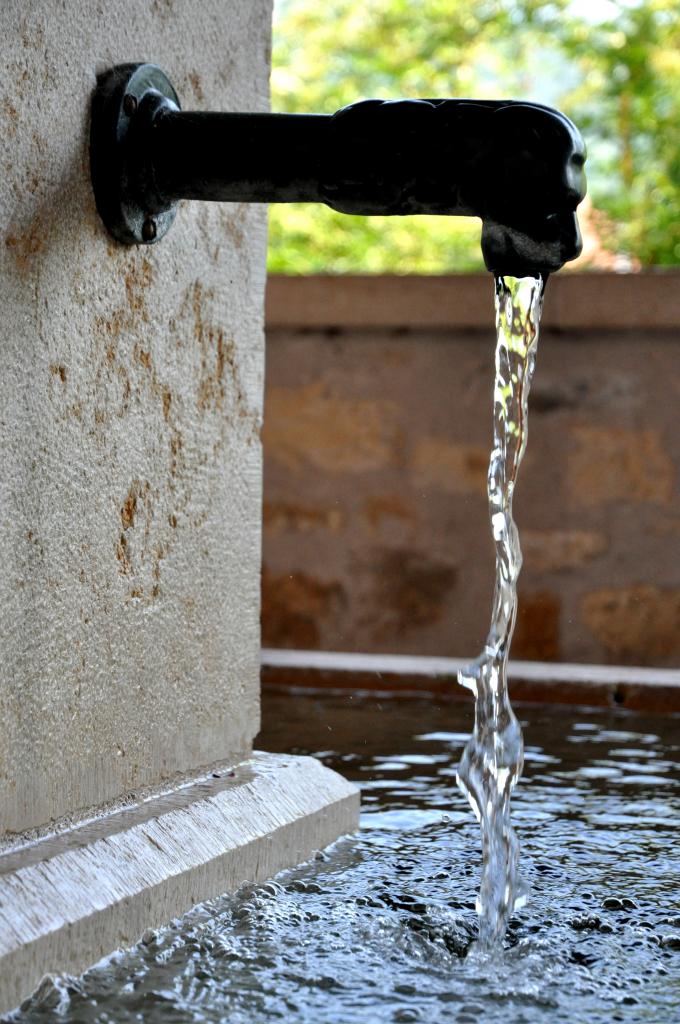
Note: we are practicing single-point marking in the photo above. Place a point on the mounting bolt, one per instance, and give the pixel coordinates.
(130, 104)
(149, 229)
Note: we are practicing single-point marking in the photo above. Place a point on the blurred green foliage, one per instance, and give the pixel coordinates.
(612, 65)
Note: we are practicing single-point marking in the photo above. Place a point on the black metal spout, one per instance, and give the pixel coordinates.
(517, 166)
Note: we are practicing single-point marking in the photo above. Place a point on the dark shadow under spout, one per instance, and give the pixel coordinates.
(517, 166)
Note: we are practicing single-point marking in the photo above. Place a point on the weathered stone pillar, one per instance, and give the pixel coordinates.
(130, 415)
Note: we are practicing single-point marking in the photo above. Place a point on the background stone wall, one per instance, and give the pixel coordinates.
(377, 436)
(129, 426)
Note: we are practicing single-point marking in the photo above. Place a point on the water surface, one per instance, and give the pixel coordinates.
(378, 929)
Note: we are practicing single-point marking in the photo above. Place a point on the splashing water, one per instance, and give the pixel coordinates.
(492, 760)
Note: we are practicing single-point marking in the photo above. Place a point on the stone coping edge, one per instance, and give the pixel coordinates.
(639, 689)
(80, 900)
(576, 302)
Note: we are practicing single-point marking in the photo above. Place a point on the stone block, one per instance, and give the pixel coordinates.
(610, 464)
(638, 624)
(537, 632)
(131, 394)
(559, 550)
(68, 901)
(351, 435)
(379, 418)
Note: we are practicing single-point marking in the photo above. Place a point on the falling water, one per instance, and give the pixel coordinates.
(492, 760)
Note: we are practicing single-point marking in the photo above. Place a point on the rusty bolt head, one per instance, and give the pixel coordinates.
(149, 229)
(130, 104)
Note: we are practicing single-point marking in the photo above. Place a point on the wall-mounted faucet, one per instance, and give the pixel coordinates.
(518, 166)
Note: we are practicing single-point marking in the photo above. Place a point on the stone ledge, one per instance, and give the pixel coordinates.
(589, 301)
(638, 689)
(67, 901)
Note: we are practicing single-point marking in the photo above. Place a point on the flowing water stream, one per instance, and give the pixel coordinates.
(492, 760)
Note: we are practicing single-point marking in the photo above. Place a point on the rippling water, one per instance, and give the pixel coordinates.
(379, 927)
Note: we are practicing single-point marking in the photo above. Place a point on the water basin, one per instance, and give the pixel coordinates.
(378, 927)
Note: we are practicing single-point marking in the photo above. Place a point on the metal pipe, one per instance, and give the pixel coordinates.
(239, 158)
(517, 166)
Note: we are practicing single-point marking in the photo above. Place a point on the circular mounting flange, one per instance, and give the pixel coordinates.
(126, 100)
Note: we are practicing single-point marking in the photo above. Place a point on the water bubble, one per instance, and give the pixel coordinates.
(589, 922)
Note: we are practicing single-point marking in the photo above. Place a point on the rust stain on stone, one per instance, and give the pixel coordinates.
(143, 357)
(116, 323)
(57, 370)
(125, 568)
(197, 88)
(160, 552)
(127, 388)
(167, 402)
(638, 624)
(162, 8)
(27, 246)
(295, 606)
(197, 306)
(137, 279)
(129, 509)
(211, 388)
(218, 354)
(139, 549)
(234, 225)
(111, 326)
(222, 356)
(176, 459)
(11, 118)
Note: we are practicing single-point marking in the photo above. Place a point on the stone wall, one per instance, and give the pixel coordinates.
(130, 416)
(377, 432)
